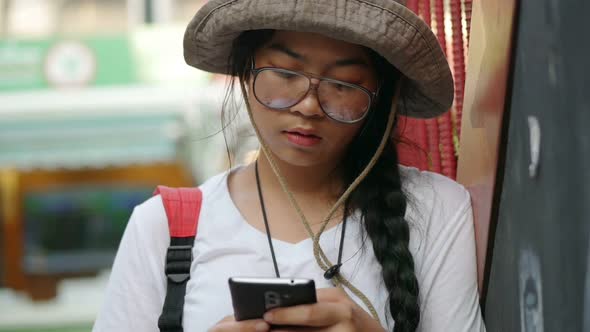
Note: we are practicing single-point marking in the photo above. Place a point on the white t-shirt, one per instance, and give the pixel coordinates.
(442, 243)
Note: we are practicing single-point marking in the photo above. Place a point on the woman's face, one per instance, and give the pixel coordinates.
(303, 135)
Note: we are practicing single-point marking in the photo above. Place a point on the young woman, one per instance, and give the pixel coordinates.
(323, 81)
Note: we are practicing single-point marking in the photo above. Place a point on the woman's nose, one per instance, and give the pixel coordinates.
(309, 106)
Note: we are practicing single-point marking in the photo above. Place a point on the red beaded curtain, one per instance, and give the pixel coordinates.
(433, 144)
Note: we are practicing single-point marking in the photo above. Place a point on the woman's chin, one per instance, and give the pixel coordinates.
(303, 156)
(299, 159)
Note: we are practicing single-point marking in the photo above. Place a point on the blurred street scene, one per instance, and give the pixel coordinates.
(97, 107)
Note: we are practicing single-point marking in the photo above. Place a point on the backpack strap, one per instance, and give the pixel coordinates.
(183, 206)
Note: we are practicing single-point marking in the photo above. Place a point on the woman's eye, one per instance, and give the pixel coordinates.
(286, 75)
(342, 87)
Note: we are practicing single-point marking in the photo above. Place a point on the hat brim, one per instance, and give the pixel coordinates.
(385, 26)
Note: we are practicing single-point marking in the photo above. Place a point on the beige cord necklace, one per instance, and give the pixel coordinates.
(318, 253)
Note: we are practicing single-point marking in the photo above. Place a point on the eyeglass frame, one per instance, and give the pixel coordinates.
(372, 95)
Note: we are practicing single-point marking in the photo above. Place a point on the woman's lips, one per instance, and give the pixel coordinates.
(302, 137)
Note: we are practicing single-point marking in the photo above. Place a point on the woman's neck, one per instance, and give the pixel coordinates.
(319, 181)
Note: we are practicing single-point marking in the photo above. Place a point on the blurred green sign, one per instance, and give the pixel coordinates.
(61, 63)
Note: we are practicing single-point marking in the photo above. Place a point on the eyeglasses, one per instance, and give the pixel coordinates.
(280, 89)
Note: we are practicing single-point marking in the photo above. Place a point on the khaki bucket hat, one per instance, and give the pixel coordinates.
(386, 26)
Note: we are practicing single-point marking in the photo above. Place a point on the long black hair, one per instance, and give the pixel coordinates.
(379, 197)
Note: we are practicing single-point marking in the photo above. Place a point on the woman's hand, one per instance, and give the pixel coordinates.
(229, 324)
(334, 311)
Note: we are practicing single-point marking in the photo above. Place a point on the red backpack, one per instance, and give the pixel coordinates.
(183, 207)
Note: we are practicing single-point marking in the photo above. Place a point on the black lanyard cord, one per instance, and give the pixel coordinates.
(333, 270)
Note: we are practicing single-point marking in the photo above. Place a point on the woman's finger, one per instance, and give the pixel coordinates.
(229, 324)
(299, 329)
(332, 294)
(333, 328)
(318, 314)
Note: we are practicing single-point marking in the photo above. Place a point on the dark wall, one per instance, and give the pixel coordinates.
(539, 278)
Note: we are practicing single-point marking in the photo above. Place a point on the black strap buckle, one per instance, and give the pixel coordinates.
(178, 263)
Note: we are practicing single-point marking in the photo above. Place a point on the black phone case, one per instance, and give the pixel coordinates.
(251, 300)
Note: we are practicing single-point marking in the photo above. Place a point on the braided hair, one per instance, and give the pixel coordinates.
(382, 204)
(379, 197)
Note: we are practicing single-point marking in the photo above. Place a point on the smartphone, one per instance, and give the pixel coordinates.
(252, 297)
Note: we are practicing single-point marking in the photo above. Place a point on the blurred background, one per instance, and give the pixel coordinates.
(97, 107)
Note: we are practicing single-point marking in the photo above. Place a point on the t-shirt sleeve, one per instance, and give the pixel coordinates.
(137, 285)
(448, 276)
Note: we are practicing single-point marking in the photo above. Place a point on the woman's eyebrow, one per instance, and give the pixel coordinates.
(350, 62)
(284, 49)
(339, 63)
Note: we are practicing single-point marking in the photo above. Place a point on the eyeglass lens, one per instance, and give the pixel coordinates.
(280, 89)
